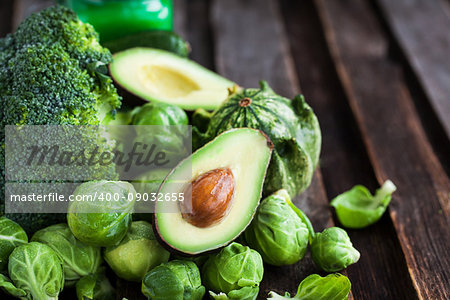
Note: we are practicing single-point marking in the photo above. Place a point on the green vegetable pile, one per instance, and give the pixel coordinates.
(53, 71)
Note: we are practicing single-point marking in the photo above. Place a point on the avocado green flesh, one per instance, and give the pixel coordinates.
(246, 152)
(161, 76)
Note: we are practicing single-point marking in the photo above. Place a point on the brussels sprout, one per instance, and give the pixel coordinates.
(94, 286)
(147, 183)
(357, 208)
(11, 236)
(234, 268)
(171, 139)
(153, 113)
(175, 280)
(101, 222)
(137, 253)
(315, 287)
(332, 250)
(277, 232)
(119, 133)
(172, 145)
(36, 270)
(78, 259)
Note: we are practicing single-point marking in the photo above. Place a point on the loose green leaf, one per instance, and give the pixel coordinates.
(332, 250)
(315, 287)
(357, 208)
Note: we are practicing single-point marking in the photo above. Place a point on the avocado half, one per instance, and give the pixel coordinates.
(226, 181)
(162, 76)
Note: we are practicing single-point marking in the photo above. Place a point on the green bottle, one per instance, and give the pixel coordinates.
(113, 19)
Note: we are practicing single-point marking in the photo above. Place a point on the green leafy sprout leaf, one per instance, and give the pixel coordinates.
(358, 208)
(315, 287)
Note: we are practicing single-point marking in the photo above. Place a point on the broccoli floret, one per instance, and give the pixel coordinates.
(52, 71)
(59, 24)
(48, 87)
(51, 68)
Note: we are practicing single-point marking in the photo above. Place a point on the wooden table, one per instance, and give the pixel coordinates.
(377, 73)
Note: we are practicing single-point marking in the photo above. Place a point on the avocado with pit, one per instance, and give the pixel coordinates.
(161, 76)
(221, 184)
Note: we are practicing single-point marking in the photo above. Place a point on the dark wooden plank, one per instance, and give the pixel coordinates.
(6, 8)
(422, 30)
(24, 8)
(381, 272)
(251, 44)
(199, 33)
(397, 145)
(180, 18)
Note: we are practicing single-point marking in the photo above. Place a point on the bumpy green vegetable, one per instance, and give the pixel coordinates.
(315, 287)
(36, 270)
(137, 253)
(102, 223)
(11, 236)
(357, 208)
(235, 270)
(94, 287)
(277, 232)
(176, 280)
(78, 259)
(332, 250)
(290, 124)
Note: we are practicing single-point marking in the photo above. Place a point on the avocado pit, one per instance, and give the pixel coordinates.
(208, 197)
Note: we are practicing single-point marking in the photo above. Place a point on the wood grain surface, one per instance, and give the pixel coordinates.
(395, 141)
(344, 161)
(422, 28)
(377, 74)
